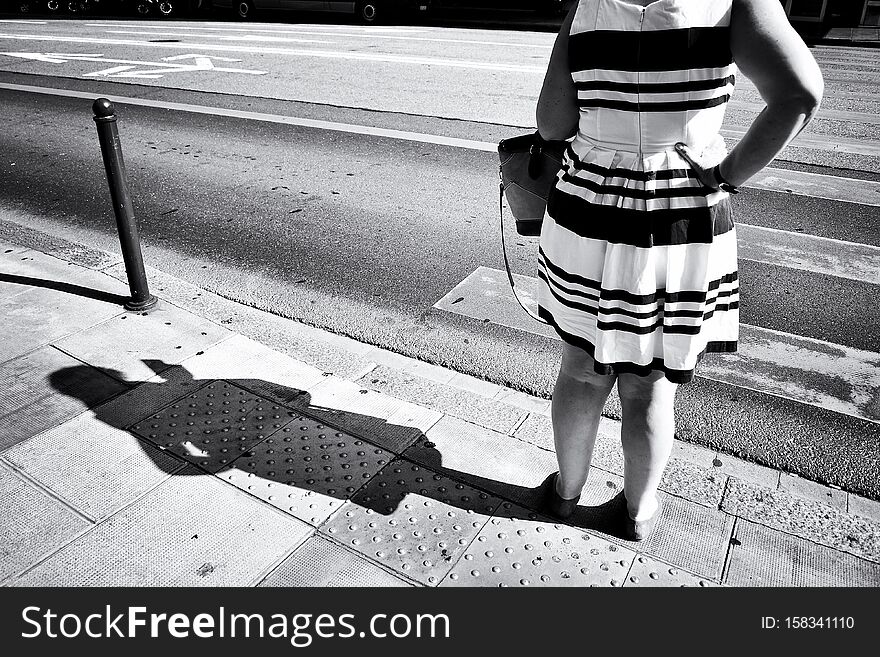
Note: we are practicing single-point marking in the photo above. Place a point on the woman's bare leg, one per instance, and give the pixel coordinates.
(647, 433)
(578, 399)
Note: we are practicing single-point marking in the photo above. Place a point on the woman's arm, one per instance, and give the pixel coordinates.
(557, 112)
(773, 56)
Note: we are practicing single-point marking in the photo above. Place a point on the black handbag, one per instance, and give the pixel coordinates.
(528, 170)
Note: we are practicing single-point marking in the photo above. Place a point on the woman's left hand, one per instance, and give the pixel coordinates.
(704, 171)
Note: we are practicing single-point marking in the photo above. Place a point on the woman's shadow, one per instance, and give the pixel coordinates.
(285, 448)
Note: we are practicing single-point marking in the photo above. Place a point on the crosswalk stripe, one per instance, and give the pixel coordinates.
(806, 370)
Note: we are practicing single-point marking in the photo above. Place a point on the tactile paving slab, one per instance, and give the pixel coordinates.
(214, 425)
(647, 572)
(319, 562)
(307, 469)
(520, 548)
(412, 520)
(760, 556)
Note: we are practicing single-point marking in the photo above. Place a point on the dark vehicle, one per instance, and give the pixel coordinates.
(367, 11)
(543, 7)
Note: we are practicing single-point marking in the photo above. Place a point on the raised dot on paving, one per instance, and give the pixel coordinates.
(307, 469)
(519, 548)
(413, 520)
(648, 572)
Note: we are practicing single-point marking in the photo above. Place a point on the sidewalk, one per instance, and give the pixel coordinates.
(852, 36)
(206, 443)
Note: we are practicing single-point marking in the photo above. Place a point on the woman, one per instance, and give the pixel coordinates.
(637, 266)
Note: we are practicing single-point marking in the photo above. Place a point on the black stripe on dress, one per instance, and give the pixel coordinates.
(684, 296)
(671, 106)
(632, 174)
(655, 50)
(640, 228)
(630, 192)
(674, 375)
(655, 87)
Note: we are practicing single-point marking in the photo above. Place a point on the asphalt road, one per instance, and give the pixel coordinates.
(363, 233)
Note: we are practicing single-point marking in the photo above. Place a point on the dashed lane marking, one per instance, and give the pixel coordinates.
(806, 370)
(800, 183)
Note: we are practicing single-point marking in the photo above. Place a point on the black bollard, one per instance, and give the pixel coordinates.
(111, 150)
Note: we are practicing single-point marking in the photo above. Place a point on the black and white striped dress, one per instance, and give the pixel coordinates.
(637, 260)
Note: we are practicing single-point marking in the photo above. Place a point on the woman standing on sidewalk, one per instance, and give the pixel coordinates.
(637, 264)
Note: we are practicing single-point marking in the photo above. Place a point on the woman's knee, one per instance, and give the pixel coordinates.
(577, 364)
(645, 390)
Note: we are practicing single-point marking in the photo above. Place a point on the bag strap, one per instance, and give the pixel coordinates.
(504, 253)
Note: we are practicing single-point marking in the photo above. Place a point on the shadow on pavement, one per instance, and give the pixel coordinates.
(61, 286)
(222, 427)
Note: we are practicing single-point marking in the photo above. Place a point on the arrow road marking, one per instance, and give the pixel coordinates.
(128, 68)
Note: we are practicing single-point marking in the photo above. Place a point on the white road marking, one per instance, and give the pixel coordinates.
(831, 115)
(323, 54)
(221, 37)
(835, 144)
(253, 34)
(815, 372)
(23, 22)
(815, 185)
(129, 70)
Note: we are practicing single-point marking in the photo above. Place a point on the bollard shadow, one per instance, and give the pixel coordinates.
(69, 288)
(288, 444)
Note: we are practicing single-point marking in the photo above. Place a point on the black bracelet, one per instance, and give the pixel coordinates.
(723, 185)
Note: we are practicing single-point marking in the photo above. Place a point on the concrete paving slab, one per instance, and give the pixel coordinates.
(519, 548)
(358, 410)
(255, 367)
(307, 469)
(45, 388)
(453, 401)
(94, 467)
(694, 454)
(411, 366)
(193, 530)
(760, 556)
(537, 430)
(412, 520)
(149, 397)
(813, 491)
(477, 386)
(32, 524)
(486, 459)
(521, 400)
(862, 506)
(650, 573)
(322, 563)
(39, 316)
(214, 425)
(693, 482)
(747, 471)
(32, 263)
(164, 336)
(811, 520)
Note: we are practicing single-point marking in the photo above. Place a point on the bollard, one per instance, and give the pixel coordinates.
(111, 151)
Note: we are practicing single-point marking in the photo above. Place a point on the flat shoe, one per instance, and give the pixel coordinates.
(556, 505)
(639, 530)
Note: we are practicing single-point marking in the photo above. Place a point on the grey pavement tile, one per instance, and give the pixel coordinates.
(362, 412)
(520, 548)
(747, 471)
(695, 454)
(812, 491)
(651, 573)
(445, 398)
(493, 461)
(412, 520)
(760, 556)
(214, 425)
(39, 316)
(537, 430)
(59, 269)
(412, 366)
(811, 520)
(477, 386)
(21, 233)
(45, 388)
(528, 403)
(254, 366)
(322, 563)
(307, 469)
(862, 506)
(94, 467)
(193, 530)
(137, 346)
(32, 524)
